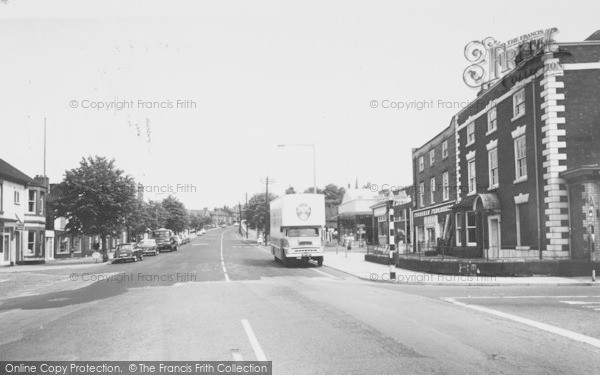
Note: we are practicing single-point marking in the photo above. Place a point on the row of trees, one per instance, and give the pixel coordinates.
(99, 199)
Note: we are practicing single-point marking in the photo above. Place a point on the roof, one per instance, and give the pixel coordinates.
(11, 173)
(594, 36)
(358, 194)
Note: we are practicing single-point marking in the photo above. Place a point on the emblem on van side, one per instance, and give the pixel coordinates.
(303, 211)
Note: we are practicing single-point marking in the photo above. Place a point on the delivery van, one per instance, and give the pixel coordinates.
(297, 222)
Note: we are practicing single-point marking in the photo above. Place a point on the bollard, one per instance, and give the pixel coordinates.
(392, 266)
(593, 275)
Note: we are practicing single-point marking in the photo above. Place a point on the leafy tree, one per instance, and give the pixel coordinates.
(290, 190)
(96, 198)
(157, 215)
(257, 211)
(177, 215)
(333, 194)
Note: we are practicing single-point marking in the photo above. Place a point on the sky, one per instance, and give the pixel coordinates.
(193, 97)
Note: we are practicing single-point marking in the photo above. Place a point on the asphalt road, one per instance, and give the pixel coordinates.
(222, 298)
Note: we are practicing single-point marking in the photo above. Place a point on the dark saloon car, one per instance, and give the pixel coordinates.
(128, 251)
(148, 246)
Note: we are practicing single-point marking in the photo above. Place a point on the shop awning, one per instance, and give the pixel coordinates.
(489, 201)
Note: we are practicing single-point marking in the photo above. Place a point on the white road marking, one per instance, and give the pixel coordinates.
(260, 355)
(324, 273)
(532, 323)
(223, 260)
(524, 297)
(579, 302)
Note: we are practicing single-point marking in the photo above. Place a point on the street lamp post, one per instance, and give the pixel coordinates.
(313, 145)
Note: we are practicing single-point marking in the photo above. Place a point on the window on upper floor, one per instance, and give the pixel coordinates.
(421, 193)
(471, 176)
(432, 190)
(470, 133)
(519, 103)
(446, 186)
(32, 201)
(431, 157)
(17, 197)
(421, 164)
(493, 167)
(520, 158)
(492, 119)
(445, 149)
(1, 198)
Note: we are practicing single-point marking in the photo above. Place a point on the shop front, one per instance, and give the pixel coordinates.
(432, 227)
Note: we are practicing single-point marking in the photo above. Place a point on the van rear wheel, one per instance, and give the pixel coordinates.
(320, 262)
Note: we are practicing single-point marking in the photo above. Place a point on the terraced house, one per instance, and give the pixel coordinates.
(528, 159)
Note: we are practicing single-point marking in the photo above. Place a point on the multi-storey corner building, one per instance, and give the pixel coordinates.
(434, 181)
(528, 159)
(22, 216)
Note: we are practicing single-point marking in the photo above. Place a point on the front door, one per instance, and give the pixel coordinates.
(494, 236)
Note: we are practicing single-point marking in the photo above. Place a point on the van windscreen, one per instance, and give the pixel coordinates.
(302, 232)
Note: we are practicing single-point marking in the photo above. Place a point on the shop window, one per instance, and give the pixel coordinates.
(459, 225)
(31, 241)
(471, 228)
(64, 245)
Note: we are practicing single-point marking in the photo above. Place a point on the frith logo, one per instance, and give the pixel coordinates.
(303, 211)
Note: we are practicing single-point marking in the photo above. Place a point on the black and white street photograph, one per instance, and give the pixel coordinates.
(299, 187)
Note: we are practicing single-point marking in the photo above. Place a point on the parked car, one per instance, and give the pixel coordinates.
(202, 231)
(223, 225)
(185, 239)
(128, 251)
(148, 246)
(178, 240)
(164, 240)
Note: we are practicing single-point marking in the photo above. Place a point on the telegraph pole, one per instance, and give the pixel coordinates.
(246, 215)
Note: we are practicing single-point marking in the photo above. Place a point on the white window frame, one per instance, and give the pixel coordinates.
(459, 226)
(469, 243)
(432, 190)
(17, 197)
(493, 156)
(518, 103)
(472, 176)
(519, 174)
(492, 120)
(445, 186)
(421, 193)
(470, 133)
(445, 149)
(518, 223)
(432, 157)
(32, 201)
(35, 239)
(421, 164)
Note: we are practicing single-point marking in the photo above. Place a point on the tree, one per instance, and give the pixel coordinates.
(333, 194)
(290, 190)
(177, 215)
(257, 211)
(97, 198)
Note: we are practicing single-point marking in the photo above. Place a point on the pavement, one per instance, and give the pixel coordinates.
(222, 297)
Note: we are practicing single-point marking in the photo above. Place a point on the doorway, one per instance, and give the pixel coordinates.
(494, 236)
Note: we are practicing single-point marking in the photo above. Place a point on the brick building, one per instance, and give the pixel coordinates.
(434, 176)
(527, 158)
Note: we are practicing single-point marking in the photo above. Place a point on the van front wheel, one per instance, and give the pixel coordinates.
(320, 262)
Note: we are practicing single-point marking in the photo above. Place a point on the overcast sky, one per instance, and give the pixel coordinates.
(260, 73)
